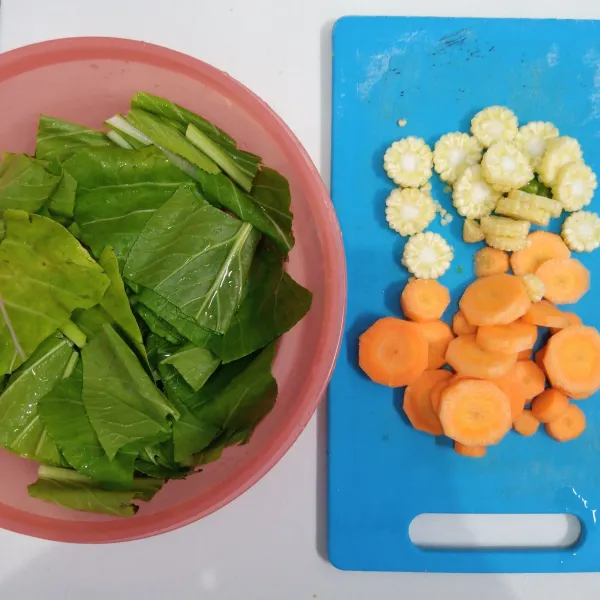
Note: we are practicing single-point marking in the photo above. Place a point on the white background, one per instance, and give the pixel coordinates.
(268, 544)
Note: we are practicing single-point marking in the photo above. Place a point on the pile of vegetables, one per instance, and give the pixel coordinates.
(512, 358)
(142, 291)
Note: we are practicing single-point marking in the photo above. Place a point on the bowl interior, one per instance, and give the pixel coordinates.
(88, 80)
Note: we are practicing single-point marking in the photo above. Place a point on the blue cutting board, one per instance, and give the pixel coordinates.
(436, 74)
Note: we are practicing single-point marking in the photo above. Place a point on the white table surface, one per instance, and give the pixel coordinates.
(268, 544)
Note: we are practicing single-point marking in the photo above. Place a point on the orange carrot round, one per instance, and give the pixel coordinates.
(461, 326)
(549, 405)
(541, 246)
(424, 300)
(572, 361)
(524, 355)
(438, 335)
(495, 300)
(475, 412)
(417, 401)
(437, 390)
(566, 280)
(570, 425)
(570, 319)
(508, 339)
(544, 314)
(490, 261)
(539, 359)
(468, 358)
(526, 423)
(393, 352)
(470, 451)
(529, 377)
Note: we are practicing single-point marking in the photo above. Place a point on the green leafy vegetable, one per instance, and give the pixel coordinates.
(188, 240)
(60, 139)
(159, 326)
(45, 274)
(62, 201)
(273, 305)
(70, 489)
(194, 364)
(124, 406)
(63, 413)
(118, 191)
(20, 427)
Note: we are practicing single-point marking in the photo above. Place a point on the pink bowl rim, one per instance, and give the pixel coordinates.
(51, 52)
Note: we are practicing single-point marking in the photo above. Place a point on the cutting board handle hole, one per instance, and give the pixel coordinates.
(494, 531)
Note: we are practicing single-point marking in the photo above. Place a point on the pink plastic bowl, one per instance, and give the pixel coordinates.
(88, 79)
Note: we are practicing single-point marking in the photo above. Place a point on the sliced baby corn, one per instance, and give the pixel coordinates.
(554, 207)
(409, 211)
(494, 124)
(472, 232)
(509, 207)
(501, 226)
(581, 231)
(534, 287)
(532, 139)
(505, 167)
(427, 255)
(506, 243)
(453, 153)
(472, 196)
(408, 162)
(559, 152)
(574, 186)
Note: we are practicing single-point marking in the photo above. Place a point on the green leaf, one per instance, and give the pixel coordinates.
(273, 305)
(158, 326)
(25, 183)
(170, 110)
(159, 461)
(60, 139)
(165, 136)
(62, 201)
(188, 240)
(63, 413)
(21, 430)
(124, 406)
(194, 364)
(45, 274)
(75, 491)
(117, 192)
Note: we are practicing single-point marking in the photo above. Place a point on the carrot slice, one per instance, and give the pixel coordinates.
(470, 451)
(570, 425)
(508, 339)
(541, 246)
(549, 405)
(393, 352)
(417, 401)
(468, 358)
(461, 326)
(475, 412)
(566, 280)
(529, 377)
(512, 390)
(524, 355)
(544, 314)
(526, 423)
(571, 319)
(495, 300)
(424, 300)
(490, 261)
(438, 335)
(539, 359)
(437, 390)
(572, 361)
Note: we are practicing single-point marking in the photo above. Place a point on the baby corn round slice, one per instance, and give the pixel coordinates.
(472, 196)
(581, 231)
(532, 139)
(505, 167)
(501, 226)
(534, 287)
(427, 255)
(575, 186)
(554, 207)
(506, 243)
(409, 162)
(559, 152)
(409, 211)
(494, 124)
(472, 232)
(453, 153)
(516, 209)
